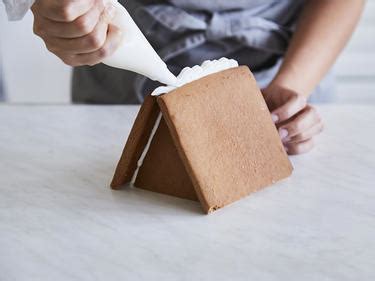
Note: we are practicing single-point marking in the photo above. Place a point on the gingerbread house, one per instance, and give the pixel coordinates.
(211, 140)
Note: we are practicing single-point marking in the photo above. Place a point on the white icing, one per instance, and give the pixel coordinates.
(145, 150)
(189, 74)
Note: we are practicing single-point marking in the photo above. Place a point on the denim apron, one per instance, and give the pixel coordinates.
(187, 32)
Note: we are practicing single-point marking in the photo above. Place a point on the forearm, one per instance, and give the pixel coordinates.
(324, 28)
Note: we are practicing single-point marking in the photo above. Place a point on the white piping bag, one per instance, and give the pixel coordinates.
(135, 53)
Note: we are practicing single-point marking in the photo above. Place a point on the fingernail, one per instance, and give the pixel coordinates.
(275, 118)
(283, 133)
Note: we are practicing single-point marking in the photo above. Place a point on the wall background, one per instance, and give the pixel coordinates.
(33, 75)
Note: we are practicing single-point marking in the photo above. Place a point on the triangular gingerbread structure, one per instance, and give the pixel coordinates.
(215, 142)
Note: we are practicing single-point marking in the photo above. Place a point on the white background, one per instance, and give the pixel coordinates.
(32, 75)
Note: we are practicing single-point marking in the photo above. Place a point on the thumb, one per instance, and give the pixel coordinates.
(291, 107)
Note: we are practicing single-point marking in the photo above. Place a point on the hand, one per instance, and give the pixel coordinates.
(297, 121)
(77, 31)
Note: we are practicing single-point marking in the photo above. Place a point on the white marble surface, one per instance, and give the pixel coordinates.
(60, 221)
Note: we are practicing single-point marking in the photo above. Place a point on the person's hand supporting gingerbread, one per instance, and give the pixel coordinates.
(297, 122)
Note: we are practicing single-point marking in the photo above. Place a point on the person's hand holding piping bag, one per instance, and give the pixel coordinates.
(323, 29)
(77, 31)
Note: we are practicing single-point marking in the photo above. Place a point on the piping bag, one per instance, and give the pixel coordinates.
(135, 53)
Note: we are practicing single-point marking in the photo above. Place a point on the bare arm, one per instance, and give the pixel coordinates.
(324, 28)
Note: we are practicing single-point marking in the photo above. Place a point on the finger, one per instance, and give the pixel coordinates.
(292, 106)
(82, 26)
(86, 44)
(63, 10)
(300, 147)
(114, 38)
(270, 102)
(303, 121)
(313, 131)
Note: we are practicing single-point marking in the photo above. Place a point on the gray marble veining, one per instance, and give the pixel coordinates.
(60, 221)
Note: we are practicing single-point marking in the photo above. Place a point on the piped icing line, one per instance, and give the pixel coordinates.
(145, 150)
(187, 75)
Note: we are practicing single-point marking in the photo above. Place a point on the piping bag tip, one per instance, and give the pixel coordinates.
(168, 79)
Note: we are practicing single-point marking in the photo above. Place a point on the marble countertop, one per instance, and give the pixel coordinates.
(60, 221)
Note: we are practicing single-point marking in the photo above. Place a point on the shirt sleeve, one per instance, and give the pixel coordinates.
(16, 9)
